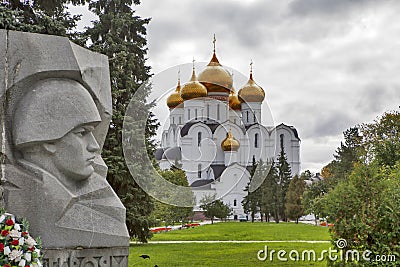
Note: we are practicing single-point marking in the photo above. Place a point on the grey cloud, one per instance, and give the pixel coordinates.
(326, 7)
(375, 97)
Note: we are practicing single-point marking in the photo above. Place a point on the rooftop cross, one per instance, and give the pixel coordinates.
(214, 42)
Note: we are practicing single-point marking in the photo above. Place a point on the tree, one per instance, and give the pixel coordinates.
(349, 153)
(214, 208)
(312, 197)
(169, 213)
(284, 176)
(252, 201)
(269, 191)
(39, 16)
(294, 195)
(120, 35)
(382, 138)
(364, 210)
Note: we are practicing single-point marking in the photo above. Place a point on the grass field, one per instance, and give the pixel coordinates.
(247, 231)
(230, 254)
(217, 254)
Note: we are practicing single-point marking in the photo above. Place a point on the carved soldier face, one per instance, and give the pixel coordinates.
(74, 154)
(53, 129)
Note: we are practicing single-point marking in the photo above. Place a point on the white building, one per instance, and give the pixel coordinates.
(215, 133)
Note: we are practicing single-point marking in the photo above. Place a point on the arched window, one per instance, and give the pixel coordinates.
(180, 120)
(254, 117)
(173, 120)
(282, 137)
(198, 138)
(256, 140)
(218, 112)
(195, 114)
(234, 203)
(188, 114)
(247, 115)
(208, 111)
(199, 171)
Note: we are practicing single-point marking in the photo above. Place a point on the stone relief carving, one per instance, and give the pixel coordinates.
(56, 107)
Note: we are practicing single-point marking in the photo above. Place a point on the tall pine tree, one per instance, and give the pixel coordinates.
(284, 176)
(252, 201)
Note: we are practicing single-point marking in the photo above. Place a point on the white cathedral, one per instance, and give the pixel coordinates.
(215, 134)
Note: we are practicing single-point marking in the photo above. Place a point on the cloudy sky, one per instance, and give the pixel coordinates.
(326, 65)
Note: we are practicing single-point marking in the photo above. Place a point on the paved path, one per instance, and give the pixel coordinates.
(238, 241)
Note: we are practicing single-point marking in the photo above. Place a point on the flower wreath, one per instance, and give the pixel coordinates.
(17, 247)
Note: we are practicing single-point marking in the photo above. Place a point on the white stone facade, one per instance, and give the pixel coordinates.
(198, 126)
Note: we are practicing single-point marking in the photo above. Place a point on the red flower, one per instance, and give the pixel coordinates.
(31, 248)
(9, 222)
(15, 242)
(1, 247)
(4, 232)
(24, 233)
(7, 265)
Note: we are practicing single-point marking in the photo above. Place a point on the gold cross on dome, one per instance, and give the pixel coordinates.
(251, 66)
(214, 42)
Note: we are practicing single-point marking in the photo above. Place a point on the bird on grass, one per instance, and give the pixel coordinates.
(144, 256)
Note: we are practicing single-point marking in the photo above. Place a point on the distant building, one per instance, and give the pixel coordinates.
(315, 179)
(215, 134)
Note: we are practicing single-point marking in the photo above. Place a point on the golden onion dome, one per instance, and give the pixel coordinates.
(175, 100)
(251, 92)
(215, 77)
(234, 102)
(193, 89)
(230, 143)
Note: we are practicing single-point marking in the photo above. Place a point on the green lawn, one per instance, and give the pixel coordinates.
(231, 254)
(247, 231)
(217, 254)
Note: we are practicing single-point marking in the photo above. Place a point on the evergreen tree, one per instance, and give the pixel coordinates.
(294, 195)
(284, 176)
(252, 201)
(269, 191)
(39, 16)
(120, 35)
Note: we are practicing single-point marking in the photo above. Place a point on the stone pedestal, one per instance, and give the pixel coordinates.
(101, 257)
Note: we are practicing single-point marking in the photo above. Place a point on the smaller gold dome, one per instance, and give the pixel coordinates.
(175, 100)
(251, 92)
(230, 143)
(234, 102)
(193, 89)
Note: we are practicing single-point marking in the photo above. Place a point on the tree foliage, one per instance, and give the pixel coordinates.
(284, 175)
(294, 195)
(252, 201)
(39, 16)
(363, 201)
(214, 208)
(169, 213)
